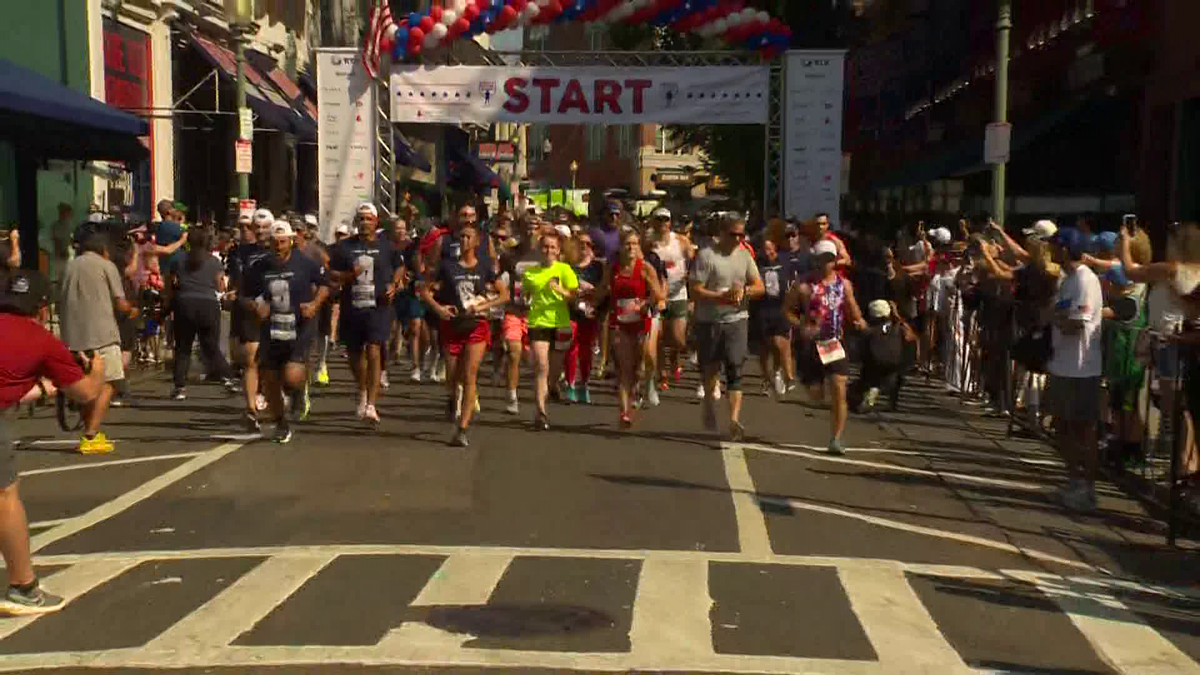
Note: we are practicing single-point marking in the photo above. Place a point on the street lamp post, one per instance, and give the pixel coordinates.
(240, 14)
(574, 170)
(1003, 29)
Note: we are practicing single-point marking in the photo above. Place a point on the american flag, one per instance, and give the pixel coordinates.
(381, 20)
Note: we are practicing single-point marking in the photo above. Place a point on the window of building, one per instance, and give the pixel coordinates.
(597, 141)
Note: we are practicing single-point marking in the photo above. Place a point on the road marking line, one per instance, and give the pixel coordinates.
(239, 607)
(751, 522)
(131, 498)
(115, 462)
(72, 583)
(1119, 635)
(671, 613)
(818, 454)
(42, 524)
(900, 628)
(464, 579)
(941, 534)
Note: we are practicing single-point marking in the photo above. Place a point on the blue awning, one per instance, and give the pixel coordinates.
(467, 172)
(56, 122)
(406, 155)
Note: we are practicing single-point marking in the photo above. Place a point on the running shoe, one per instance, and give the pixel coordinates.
(460, 439)
(765, 389)
(439, 373)
(361, 411)
(415, 376)
(835, 448)
(737, 432)
(583, 394)
(97, 445)
(371, 415)
(541, 422)
(569, 393)
(652, 399)
(231, 385)
(323, 376)
(252, 425)
(1080, 497)
(283, 432)
(19, 602)
(260, 402)
(678, 374)
(709, 415)
(513, 407)
(700, 391)
(717, 391)
(301, 405)
(664, 385)
(383, 380)
(626, 421)
(178, 394)
(780, 387)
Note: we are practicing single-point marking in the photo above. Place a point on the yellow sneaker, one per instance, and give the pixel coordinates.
(100, 445)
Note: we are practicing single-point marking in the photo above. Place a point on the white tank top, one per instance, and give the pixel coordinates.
(671, 253)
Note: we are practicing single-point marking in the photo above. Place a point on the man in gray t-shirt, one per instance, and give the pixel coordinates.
(724, 280)
(91, 292)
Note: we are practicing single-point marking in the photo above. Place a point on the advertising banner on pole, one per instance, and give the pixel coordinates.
(345, 137)
(607, 95)
(812, 134)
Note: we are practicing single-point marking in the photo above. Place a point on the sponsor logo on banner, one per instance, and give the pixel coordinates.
(486, 94)
(813, 134)
(346, 151)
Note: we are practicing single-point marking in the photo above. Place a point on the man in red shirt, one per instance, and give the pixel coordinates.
(33, 366)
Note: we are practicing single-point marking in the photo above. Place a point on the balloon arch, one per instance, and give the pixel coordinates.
(739, 26)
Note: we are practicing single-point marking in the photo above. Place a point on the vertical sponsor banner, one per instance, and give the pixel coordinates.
(345, 137)
(812, 130)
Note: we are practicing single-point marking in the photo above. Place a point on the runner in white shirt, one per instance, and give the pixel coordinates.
(675, 251)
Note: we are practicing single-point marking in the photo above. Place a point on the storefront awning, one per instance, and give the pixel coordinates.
(407, 155)
(56, 122)
(261, 96)
(269, 67)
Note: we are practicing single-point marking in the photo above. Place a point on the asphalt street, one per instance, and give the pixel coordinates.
(933, 546)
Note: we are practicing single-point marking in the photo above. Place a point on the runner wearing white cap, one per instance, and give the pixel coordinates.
(244, 328)
(371, 272)
(676, 253)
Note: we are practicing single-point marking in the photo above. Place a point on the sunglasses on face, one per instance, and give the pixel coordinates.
(587, 242)
(793, 235)
(738, 235)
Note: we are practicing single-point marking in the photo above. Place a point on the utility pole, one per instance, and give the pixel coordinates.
(1003, 29)
(239, 38)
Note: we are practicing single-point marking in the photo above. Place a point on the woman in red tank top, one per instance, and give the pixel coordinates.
(634, 289)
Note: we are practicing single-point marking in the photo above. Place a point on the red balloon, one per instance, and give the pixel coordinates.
(519, 5)
(470, 12)
(482, 6)
(426, 24)
(415, 37)
(414, 47)
(507, 15)
(436, 13)
(460, 26)
(387, 43)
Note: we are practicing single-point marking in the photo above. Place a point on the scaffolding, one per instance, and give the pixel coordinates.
(773, 136)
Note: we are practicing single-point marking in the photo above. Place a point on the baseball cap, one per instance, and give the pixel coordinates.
(1072, 240)
(1042, 229)
(940, 236)
(661, 212)
(25, 292)
(367, 207)
(825, 248)
(563, 231)
(1104, 242)
(263, 217)
(614, 207)
(311, 220)
(179, 206)
(282, 229)
(879, 309)
(343, 229)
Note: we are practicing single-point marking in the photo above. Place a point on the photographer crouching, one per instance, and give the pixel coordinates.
(32, 367)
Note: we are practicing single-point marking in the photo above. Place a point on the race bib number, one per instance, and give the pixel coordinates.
(282, 323)
(629, 310)
(771, 283)
(362, 293)
(830, 351)
(283, 327)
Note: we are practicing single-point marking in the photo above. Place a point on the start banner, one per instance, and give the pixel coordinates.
(586, 95)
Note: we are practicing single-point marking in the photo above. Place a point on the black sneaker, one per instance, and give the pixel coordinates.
(178, 394)
(24, 603)
(460, 439)
(283, 433)
(252, 425)
(540, 422)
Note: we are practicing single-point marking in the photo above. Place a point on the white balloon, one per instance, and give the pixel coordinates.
(763, 17)
(531, 11)
(449, 17)
(439, 31)
(431, 41)
(460, 5)
(735, 19)
(391, 31)
(748, 14)
(718, 27)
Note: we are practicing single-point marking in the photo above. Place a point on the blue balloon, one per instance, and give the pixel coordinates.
(414, 18)
(402, 36)
(478, 26)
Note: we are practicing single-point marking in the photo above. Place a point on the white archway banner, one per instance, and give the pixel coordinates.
(585, 95)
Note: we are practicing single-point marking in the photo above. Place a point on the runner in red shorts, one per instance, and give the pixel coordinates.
(634, 289)
(459, 297)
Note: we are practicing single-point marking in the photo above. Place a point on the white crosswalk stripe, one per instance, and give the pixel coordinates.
(671, 617)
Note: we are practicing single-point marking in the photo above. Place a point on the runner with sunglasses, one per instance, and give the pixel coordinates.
(633, 286)
(459, 297)
(585, 321)
(675, 251)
